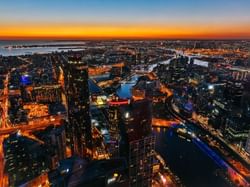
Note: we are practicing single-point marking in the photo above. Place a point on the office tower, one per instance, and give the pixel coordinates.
(114, 130)
(55, 138)
(47, 94)
(234, 91)
(77, 92)
(25, 158)
(137, 143)
(141, 161)
(247, 147)
(245, 100)
(114, 123)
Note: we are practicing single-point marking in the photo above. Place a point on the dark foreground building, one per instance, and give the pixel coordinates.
(136, 143)
(25, 158)
(78, 130)
(76, 171)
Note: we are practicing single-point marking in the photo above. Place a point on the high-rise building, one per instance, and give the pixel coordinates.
(137, 143)
(141, 161)
(55, 138)
(132, 120)
(114, 117)
(234, 91)
(245, 100)
(25, 158)
(47, 94)
(77, 92)
(247, 147)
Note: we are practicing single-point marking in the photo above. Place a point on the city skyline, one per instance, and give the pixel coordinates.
(128, 93)
(125, 113)
(105, 19)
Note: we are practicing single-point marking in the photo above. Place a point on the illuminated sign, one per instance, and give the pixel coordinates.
(121, 102)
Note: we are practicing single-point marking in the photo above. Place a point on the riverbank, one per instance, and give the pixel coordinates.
(233, 173)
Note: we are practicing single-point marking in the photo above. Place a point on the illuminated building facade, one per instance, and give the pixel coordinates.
(137, 143)
(47, 94)
(141, 161)
(25, 158)
(130, 124)
(114, 116)
(77, 92)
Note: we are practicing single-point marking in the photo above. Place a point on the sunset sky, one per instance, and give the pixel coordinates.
(80, 19)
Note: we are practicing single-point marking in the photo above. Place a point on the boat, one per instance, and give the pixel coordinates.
(185, 133)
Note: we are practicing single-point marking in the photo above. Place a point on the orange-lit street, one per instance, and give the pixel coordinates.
(93, 71)
(33, 125)
(5, 102)
(241, 168)
(237, 178)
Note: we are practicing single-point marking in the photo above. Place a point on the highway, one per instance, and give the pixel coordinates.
(34, 124)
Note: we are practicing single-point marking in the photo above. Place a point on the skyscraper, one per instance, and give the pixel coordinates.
(245, 100)
(77, 92)
(55, 138)
(137, 143)
(25, 158)
(247, 147)
(114, 117)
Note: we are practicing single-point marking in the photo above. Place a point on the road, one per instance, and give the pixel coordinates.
(5, 102)
(232, 148)
(34, 124)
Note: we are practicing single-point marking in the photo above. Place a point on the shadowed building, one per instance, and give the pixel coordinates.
(78, 130)
(76, 171)
(26, 158)
(136, 143)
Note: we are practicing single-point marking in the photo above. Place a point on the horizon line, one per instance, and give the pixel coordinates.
(8, 38)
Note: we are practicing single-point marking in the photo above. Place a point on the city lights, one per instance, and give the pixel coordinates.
(127, 93)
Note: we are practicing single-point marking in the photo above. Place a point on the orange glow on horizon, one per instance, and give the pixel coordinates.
(68, 31)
